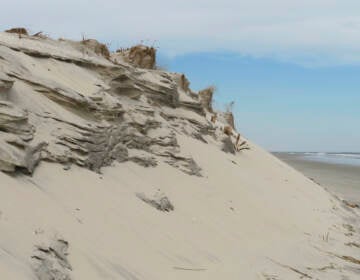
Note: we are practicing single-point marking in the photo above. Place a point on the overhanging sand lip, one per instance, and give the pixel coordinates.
(247, 216)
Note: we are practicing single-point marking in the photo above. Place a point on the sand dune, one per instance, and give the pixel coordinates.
(82, 136)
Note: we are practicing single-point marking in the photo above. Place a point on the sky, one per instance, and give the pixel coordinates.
(291, 67)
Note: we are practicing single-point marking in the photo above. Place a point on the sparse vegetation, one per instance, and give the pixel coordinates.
(229, 116)
(228, 130)
(140, 56)
(214, 118)
(206, 97)
(97, 47)
(18, 30)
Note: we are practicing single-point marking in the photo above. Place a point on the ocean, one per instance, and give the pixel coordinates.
(338, 172)
(332, 158)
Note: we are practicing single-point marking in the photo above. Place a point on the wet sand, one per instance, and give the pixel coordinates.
(341, 179)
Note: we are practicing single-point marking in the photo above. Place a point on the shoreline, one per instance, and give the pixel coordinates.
(340, 179)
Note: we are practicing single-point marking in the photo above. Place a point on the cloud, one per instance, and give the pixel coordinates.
(308, 32)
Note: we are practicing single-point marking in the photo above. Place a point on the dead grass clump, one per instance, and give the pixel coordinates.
(214, 118)
(185, 84)
(142, 56)
(139, 56)
(18, 30)
(242, 146)
(228, 130)
(97, 47)
(228, 115)
(121, 50)
(206, 97)
(103, 50)
(181, 80)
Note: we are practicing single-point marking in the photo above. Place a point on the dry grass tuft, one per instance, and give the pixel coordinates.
(228, 130)
(185, 84)
(228, 115)
(139, 56)
(206, 97)
(18, 30)
(214, 118)
(143, 56)
(97, 47)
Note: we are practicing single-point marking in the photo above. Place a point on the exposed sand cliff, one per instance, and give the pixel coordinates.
(113, 171)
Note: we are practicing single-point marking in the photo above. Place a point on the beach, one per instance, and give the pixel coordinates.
(339, 173)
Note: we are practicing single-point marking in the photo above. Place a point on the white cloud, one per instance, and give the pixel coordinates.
(312, 32)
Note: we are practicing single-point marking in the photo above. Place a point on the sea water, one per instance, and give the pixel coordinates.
(334, 158)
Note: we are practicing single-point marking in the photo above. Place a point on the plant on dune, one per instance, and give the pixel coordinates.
(206, 97)
(229, 116)
(97, 47)
(228, 130)
(214, 118)
(18, 30)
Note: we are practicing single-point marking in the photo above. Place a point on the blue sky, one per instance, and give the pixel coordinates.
(292, 67)
(281, 106)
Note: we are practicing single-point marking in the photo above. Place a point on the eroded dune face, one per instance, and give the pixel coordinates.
(78, 107)
(111, 171)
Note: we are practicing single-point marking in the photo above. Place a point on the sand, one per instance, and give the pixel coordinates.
(79, 214)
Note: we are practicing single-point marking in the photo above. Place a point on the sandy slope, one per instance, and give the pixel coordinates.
(248, 216)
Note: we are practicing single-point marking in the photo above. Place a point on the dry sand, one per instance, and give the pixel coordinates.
(236, 216)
